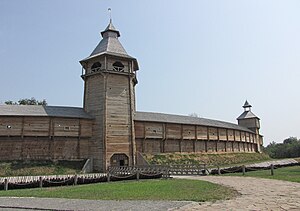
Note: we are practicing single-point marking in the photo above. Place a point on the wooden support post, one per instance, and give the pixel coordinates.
(40, 182)
(164, 137)
(75, 179)
(206, 172)
(5, 184)
(233, 141)
(144, 139)
(108, 177)
(181, 139)
(196, 138)
(219, 170)
(272, 169)
(138, 175)
(207, 133)
(218, 139)
(244, 170)
(78, 140)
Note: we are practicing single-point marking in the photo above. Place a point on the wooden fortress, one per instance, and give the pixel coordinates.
(108, 129)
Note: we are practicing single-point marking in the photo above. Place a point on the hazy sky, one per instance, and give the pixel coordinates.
(204, 57)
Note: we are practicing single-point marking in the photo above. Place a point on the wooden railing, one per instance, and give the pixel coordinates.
(164, 170)
(187, 169)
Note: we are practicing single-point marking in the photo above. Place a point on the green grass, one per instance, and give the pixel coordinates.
(222, 159)
(291, 174)
(162, 189)
(32, 168)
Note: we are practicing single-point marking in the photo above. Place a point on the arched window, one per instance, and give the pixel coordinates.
(118, 66)
(96, 66)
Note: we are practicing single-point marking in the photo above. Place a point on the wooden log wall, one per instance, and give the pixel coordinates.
(118, 117)
(160, 137)
(94, 104)
(45, 126)
(42, 138)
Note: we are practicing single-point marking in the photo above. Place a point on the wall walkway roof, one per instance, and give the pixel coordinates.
(43, 111)
(171, 118)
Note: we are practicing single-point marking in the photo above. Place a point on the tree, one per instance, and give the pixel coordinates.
(290, 148)
(27, 101)
(9, 102)
(290, 140)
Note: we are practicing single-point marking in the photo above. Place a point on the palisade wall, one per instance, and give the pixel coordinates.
(43, 138)
(162, 137)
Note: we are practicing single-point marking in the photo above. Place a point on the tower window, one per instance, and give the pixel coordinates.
(118, 66)
(96, 66)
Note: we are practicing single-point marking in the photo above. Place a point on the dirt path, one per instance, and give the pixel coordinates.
(256, 194)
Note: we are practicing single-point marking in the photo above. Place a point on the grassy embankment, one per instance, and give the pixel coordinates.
(32, 168)
(212, 159)
(162, 189)
(291, 174)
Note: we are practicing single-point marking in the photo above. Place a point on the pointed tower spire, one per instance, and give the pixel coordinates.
(247, 106)
(247, 114)
(110, 30)
(109, 10)
(110, 45)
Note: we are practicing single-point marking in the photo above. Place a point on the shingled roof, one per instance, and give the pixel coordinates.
(110, 45)
(43, 111)
(171, 118)
(247, 115)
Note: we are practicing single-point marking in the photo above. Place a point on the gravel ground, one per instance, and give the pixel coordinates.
(255, 194)
(20, 204)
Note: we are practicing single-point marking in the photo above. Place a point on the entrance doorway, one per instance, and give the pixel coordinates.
(119, 160)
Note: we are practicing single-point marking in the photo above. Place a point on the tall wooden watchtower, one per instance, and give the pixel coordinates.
(109, 75)
(249, 120)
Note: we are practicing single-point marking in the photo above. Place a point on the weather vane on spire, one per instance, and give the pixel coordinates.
(109, 11)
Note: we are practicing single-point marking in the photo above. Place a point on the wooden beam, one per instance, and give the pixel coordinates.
(49, 129)
(144, 139)
(218, 139)
(180, 142)
(23, 124)
(206, 142)
(227, 139)
(131, 107)
(105, 76)
(78, 141)
(233, 140)
(196, 138)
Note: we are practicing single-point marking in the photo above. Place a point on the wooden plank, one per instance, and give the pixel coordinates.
(188, 132)
(213, 133)
(10, 126)
(202, 133)
(173, 131)
(154, 130)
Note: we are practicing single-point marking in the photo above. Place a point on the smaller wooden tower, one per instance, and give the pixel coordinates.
(109, 75)
(249, 120)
